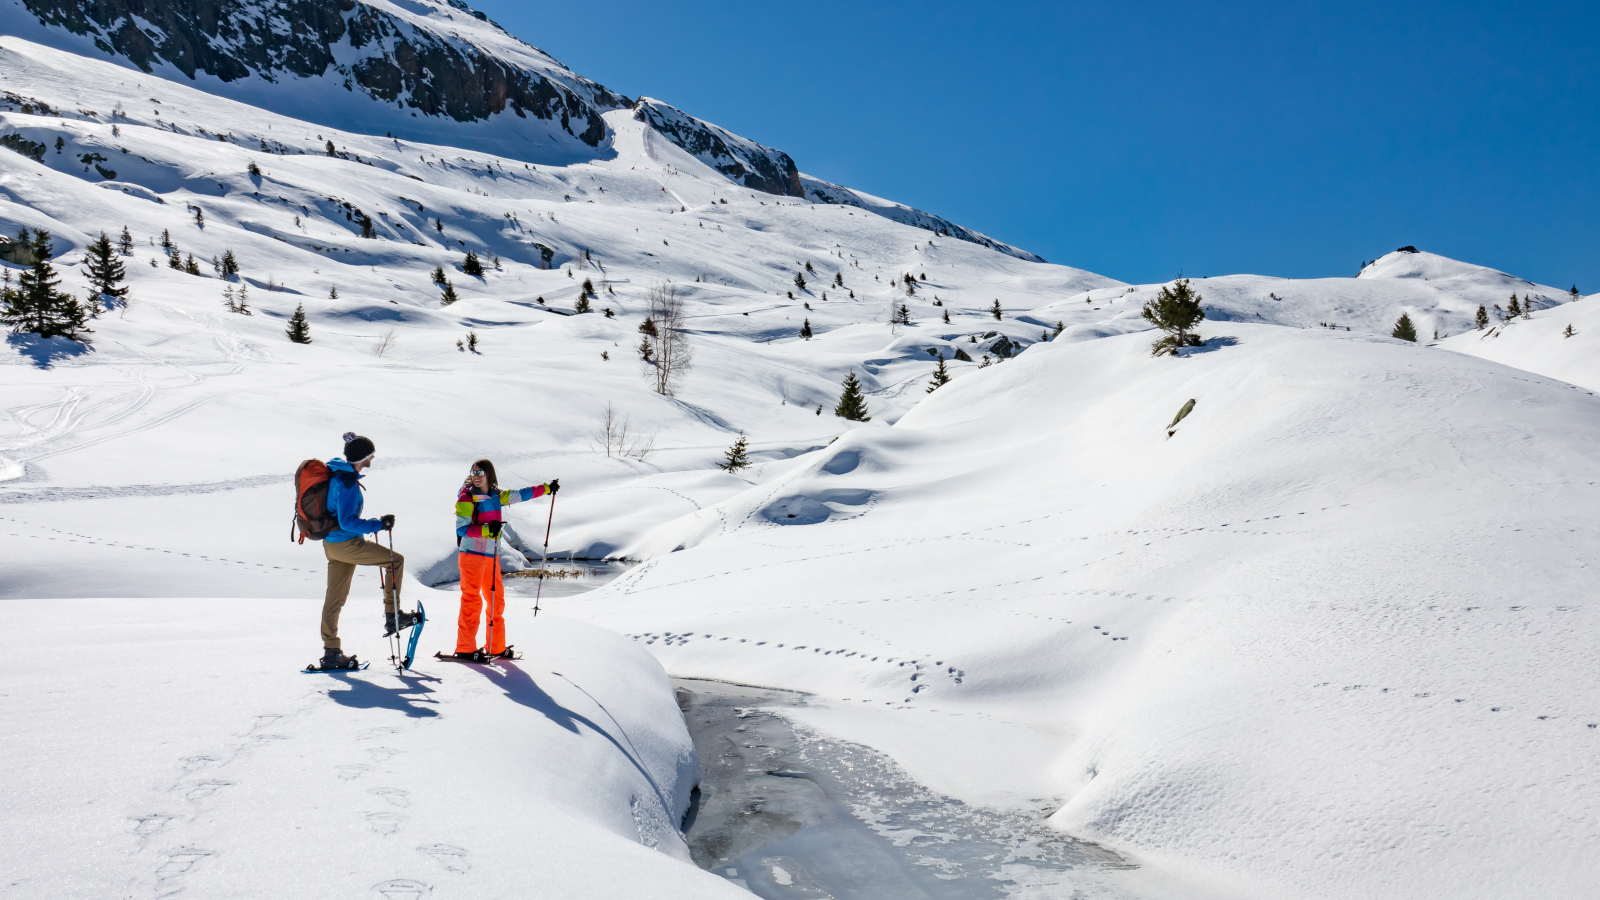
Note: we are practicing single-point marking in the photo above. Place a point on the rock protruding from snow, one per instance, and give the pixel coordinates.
(744, 161)
(827, 192)
(427, 58)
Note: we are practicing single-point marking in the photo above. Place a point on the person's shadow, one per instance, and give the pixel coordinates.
(521, 688)
(366, 695)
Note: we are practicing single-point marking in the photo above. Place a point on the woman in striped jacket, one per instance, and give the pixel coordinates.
(478, 521)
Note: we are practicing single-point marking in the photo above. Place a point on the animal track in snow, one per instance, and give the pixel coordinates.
(76, 538)
(351, 771)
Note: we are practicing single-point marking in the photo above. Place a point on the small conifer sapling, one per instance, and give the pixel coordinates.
(995, 310)
(1175, 310)
(105, 271)
(1481, 318)
(737, 456)
(471, 265)
(941, 376)
(1403, 329)
(448, 295)
(852, 402)
(299, 329)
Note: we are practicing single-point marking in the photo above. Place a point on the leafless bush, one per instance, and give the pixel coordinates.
(384, 344)
(672, 352)
(616, 437)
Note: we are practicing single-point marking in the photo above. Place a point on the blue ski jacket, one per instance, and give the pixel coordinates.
(344, 499)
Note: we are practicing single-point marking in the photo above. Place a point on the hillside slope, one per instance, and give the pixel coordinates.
(1326, 612)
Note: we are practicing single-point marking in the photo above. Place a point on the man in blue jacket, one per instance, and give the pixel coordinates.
(346, 547)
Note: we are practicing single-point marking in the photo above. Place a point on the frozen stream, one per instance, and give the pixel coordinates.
(788, 813)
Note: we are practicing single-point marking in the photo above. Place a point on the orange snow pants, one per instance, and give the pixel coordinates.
(480, 577)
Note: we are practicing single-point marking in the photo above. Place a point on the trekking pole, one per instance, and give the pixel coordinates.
(544, 556)
(394, 593)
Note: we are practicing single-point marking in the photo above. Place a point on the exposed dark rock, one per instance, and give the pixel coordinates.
(432, 73)
(744, 161)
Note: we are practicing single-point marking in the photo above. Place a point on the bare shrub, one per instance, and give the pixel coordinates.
(672, 352)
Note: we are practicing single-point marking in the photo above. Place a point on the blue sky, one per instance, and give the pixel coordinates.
(1144, 139)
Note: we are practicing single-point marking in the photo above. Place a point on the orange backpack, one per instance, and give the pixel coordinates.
(311, 513)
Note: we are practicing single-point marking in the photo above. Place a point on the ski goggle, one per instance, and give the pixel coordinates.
(477, 474)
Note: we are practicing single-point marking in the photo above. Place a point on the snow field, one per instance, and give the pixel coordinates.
(1317, 624)
(1310, 645)
(194, 758)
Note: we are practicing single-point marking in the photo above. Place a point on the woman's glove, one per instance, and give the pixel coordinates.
(553, 486)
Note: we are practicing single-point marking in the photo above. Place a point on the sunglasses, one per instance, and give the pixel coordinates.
(477, 474)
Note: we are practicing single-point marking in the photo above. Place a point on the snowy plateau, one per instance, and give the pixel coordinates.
(1331, 635)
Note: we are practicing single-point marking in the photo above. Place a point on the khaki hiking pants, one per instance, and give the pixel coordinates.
(343, 557)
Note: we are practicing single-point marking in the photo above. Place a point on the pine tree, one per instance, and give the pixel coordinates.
(1481, 318)
(125, 242)
(472, 341)
(902, 316)
(199, 217)
(941, 376)
(799, 281)
(1060, 327)
(366, 226)
(648, 327)
(105, 270)
(175, 260)
(582, 306)
(437, 275)
(1175, 310)
(1574, 292)
(333, 293)
(805, 329)
(253, 169)
(471, 265)
(995, 310)
(299, 329)
(588, 289)
(449, 294)
(1515, 309)
(852, 403)
(947, 317)
(838, 279)
(1569, 332)
(1403, 329)
(36, 306)
(230, 265)
(192, 265)
(329, 147)
(737, 456)
(166, 240)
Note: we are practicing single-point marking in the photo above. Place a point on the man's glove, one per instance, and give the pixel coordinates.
(555, 485)
(387, 522)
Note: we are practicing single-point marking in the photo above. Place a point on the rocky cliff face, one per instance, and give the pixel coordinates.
(430, 57)
(744, 161)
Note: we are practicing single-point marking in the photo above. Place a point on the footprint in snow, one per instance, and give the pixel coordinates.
(385, 823)
(144, 826)
(206, 789)
(351, 771)
(382, 754)
(454, 859)
(392, 796)
(402, 889)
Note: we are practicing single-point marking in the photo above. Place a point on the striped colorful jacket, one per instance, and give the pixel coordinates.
(478, 517)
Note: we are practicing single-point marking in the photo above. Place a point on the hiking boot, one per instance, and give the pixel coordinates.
(406, 620)
(333, 658)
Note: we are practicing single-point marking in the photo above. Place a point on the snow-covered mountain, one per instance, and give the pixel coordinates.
(1307, 642)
